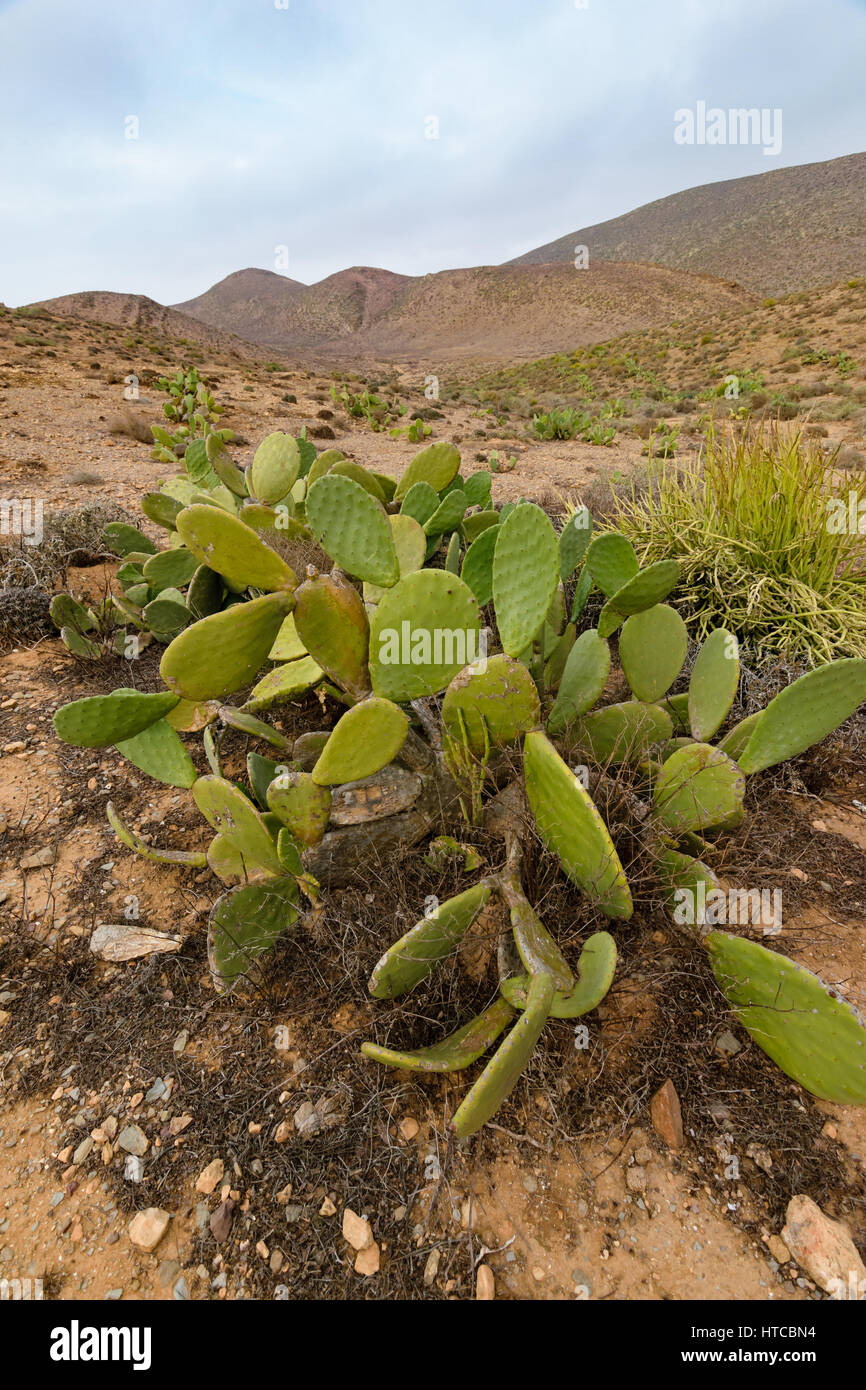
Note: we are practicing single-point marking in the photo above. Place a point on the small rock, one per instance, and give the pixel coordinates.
(666, 1115)
(409, 1128)
(635, 1178)
(778, 1249)
(431, 1269)
(307, 1120)
(368, 1261)
(283, 1131)
(210, 1177)
(727, 1045)
(327, 1208)
(485, 1284)
(147, 1228)
(133, 1140)
(123, 941)
(221, 1221)
(180, 1042)
(356, 1230)
(822, 1247)
(40, 860)
(83, 1150)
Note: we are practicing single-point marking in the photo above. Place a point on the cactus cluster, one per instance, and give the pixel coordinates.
(388, 633)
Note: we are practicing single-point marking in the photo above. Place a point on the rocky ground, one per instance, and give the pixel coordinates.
(159, 1142)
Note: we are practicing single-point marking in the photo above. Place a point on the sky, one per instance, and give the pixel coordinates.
(155, 147)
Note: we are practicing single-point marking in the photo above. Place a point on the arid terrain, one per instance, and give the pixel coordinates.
(579, 1189)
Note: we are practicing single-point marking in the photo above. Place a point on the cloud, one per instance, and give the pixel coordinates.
(309, 126)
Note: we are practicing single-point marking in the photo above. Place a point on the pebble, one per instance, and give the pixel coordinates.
(822, 1247)
(133, 1140)
(147, 1228)
(357, 1230)
(485, 1284)
(368, 1261)
(666, 1115)
(210, 1177)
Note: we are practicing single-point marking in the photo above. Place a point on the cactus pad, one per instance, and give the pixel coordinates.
(101, 720)
(652, 649)
(697, 787)
(574, 538)
(815, 1038)
(595, 972)
(365, 739)
(437, 465)
(225, 544)
(713, 684)
(246, 922)
(572, 829)
(411, 546)
(453, 1054)
(224, 652)
(332, 624)
(425, 630)
(189, 858)
(301, 805)
(502, 1072)
(232, 814)
(806, 712)
(159, 752)
(420, 502)
(503, 699)
(583, 679)
(622, 733)
(412, 958)
(353, 528)
(477, 569)
(525, 575)
(288, 645)
(284, 683)
(275, 468)
(612, 562)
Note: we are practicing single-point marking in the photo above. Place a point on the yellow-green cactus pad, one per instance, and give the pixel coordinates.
(806, 712)
(698, 786)
(574, 538)
(572, 829)
(411, 546)
(224, 652)
(477, 570)
(595, 972)
(425, 630)
(223, 466)
(346, 468)
(158, 751)
(713, 684)
(812, 1034)
(437, 465)
(284, 683)
(301, 805)
(502, 699)
(353, 528)
(652, 649)
(412, 958)
(364, 740)
(525, 575)
(234, 550)
(452, 1054)
(232, 814)
(275, 468)
(622, 733)
(288, 645)
(332, 624)
(503, 1071)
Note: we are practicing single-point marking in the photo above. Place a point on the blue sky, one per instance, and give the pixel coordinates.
(261, 127)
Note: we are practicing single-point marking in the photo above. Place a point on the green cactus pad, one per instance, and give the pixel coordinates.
(621, 733)
(224, 467)
(583, 680)
(411, 546)
(205, 593)
(503, 699)
(167, 615)
(170, 569)
(323, 464)
(101, 720)
(261, 772)
(224, 652)
(503, 1071)
(648, 587)
(736, 740)
(572, 829)
(364, 740)
(161, 509)
(332, 624)
(246, 922)
(158, 751)
(420, 502)
(288, 645)
(225, 544)
(425, 630)
(652, 649)
(574, 538)
(477, 488)
(191, 859)
(412, 958)
(477, 571)
(554, 667)
(581, 593)
(346, 468)
(793, 1017)
(437, 465)
(225, 860)
(122, 539)
(476, 522)
(697, 787)
(284, 683)
(677, 707)
(713, 683)
(595, 971)
(232, 814)
(447, 515)
(353, 528)
(275, 468)
(611, 561)
(245, 722)
(535, 945)
(452, 559)
(301, 805)
(66, 611)
(525, 575)
(452, 1054)
(805, 713)
(684, 874)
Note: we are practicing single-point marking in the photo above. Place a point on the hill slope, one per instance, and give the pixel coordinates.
(786, 230)
(137, 311)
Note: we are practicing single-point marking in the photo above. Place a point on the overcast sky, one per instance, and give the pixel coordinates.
(265, 124)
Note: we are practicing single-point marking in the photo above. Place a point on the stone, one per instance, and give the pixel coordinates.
(120, 941)
(727, 1045)
(822, 1247)
(368, 1261)
(210, 1177)
(133, 1140)
(283, 1131)
(635, 1178)
(485, 1284)
(307, 1120)
(356, 1230)
(83, 1150)
(221, 1221)
(409, 1128)
(327, 1208)
(778, 1249)
(147, 1228)
(666, 1115)
(431, 1268)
